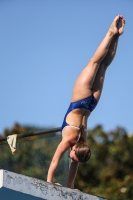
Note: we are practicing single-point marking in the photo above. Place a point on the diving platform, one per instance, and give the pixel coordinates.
(21, 187)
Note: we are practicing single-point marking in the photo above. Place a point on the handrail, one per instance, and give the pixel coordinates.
(28, 134)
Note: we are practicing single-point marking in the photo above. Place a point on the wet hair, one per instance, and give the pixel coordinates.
(82, 152)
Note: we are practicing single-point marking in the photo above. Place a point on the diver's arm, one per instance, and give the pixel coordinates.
(72, 173)
(61, 149)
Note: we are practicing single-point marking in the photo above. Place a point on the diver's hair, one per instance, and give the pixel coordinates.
(82, 152)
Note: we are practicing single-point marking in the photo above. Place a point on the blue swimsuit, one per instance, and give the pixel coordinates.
(88, 103)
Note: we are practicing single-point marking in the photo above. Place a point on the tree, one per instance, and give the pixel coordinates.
(34, 154)
(109, 171)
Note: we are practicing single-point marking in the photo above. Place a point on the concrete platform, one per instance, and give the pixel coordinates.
(19, 187)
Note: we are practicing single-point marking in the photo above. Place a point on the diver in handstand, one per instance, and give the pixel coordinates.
(86, 94)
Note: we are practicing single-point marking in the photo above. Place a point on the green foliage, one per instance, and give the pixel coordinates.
(34, 155)
(109, 172)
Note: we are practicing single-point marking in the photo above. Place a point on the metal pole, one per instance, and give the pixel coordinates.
(28, 134)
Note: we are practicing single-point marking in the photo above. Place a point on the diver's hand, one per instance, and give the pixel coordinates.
(58, 184)
(77, 190)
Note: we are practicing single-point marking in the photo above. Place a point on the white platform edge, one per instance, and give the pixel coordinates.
(39, 188)
(1, 178)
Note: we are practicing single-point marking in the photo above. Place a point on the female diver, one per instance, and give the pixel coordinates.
(86, 94)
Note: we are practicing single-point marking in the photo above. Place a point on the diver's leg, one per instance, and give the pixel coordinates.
(99, 79)
(84, 83)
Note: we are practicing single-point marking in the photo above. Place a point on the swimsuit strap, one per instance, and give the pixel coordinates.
(73, 127)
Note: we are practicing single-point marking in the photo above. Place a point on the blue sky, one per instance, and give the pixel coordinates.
(44, 44)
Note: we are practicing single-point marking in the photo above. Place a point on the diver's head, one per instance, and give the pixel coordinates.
(80, 152)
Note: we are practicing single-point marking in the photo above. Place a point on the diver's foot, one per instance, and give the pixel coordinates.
(120, 25)
(113, 30)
